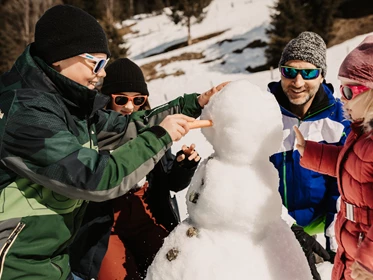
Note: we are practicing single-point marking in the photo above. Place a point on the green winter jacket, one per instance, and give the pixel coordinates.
(50, 165)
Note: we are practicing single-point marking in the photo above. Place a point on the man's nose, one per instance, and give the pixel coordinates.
(298, 80)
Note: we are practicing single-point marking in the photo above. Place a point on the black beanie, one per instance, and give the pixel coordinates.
(65, 31)
(123, 75)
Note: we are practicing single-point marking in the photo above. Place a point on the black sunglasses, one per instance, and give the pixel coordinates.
(121, 100)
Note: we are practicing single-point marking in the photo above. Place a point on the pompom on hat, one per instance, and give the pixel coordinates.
(309, 47)
(64, 31)
(123, 75)
(358, 64)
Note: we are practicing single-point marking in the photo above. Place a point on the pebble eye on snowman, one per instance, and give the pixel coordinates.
(234, 229)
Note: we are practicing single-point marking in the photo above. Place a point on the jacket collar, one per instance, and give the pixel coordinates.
(323, 98)
(79, 100)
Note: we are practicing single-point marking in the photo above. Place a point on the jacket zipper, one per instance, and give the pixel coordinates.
(360, 239)
(284, 174)
(89, 131)
(284, 180)
(284, 153)
(12, 237)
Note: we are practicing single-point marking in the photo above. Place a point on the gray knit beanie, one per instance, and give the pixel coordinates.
(309, 47)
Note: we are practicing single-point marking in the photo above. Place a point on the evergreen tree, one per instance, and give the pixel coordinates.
(184, 10)
(289, 18)
(321, 14)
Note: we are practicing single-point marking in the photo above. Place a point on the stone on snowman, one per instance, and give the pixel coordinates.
(234, 229)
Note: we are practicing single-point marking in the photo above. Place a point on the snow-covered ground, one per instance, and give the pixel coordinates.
(242, 21)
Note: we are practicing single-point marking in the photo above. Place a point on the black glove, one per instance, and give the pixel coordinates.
(186, 163)
(310, 246)
(332, 255)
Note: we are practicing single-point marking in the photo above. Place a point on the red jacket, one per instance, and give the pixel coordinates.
(352, 164)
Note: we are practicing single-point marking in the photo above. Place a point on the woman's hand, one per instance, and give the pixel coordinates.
(300, 139)
(204, 98)
(188, 152)
(360, 273)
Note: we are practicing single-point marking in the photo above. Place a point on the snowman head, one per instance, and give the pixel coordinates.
(247, 123)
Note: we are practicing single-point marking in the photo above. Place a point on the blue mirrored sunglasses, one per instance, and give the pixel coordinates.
(307, 74)
(100, 62)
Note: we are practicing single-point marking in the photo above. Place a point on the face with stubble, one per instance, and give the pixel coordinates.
(299, 91)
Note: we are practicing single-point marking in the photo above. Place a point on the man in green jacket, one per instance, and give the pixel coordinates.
(51, 120)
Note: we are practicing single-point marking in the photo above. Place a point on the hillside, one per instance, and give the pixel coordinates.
(345, 29)
(232, 31)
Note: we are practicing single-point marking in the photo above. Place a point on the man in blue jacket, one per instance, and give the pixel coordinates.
(307, 101)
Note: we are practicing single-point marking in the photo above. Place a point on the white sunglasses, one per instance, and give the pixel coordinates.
(100, 62)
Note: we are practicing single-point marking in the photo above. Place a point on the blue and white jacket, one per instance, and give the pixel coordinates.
(306, 194)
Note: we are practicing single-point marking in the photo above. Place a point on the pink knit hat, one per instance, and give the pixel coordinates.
(358, 64)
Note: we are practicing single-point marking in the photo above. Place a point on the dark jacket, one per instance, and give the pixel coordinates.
(50, 164)
(90, 245)
(168, 175)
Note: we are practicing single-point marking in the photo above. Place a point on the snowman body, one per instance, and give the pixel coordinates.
(234, 229)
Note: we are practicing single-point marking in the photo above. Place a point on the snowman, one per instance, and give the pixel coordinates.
(234, 229)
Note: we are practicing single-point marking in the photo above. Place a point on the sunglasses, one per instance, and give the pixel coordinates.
(307, 74)
(100, 62)
(349, 91)
(122, 100)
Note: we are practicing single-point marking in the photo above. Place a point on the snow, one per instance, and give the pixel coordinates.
(242, 21)
(233, 202)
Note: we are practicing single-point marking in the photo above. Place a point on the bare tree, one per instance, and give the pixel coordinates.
(109, 7)
(184, 10)
(131, 8)
(17, 27)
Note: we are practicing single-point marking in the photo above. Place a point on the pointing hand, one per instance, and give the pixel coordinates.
(176, 125)
(300, 139)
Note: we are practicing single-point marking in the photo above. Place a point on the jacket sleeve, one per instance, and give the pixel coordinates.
(114, 130)
(39, 147)
(364, 254)
(320, 158)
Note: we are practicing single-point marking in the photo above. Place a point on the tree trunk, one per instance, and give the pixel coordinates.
(189, 33)
(110, 10)
(131, 9)
(26, 22)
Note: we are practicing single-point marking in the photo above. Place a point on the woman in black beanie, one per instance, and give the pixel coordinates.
(144, 216)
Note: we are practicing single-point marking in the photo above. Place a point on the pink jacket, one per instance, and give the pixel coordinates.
(352, 164)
